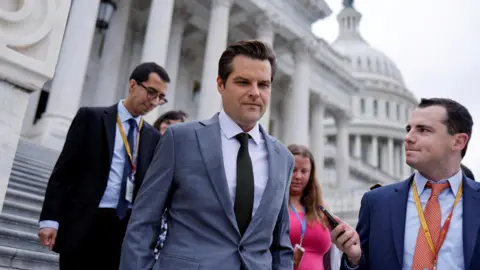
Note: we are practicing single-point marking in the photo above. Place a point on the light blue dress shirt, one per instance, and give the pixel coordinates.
(112, 192)
(450, 256)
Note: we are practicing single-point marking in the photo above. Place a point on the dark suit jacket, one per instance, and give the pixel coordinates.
(80, 175)
(381, 226)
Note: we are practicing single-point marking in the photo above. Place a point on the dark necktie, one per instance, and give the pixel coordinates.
(123, 204)
(245, 185)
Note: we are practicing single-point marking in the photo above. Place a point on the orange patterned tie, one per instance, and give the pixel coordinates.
(423, 257)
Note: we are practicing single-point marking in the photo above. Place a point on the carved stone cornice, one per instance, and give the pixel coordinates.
(267, 20)
(182, 13)
(31, 38)
(226, 3)
(303, 49)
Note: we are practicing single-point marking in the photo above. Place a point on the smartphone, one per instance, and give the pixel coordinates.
(333, 222)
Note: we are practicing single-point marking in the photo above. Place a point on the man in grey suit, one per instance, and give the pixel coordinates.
(224, 181)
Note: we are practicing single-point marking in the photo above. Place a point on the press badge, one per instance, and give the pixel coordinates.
(298, 252)
(130, 187)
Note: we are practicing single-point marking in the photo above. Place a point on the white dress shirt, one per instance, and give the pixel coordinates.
(257, 149)
(112, 192)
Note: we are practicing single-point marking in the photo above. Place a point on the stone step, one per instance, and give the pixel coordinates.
(34, 160)
(36, 181)
(35, 151)
(20, 209)
(27, 187)
(20, 223)
(31, 171)
(37, 158)
(12, 258)
(39, 186)
(30, 174)
(21, 240)
(24, 197)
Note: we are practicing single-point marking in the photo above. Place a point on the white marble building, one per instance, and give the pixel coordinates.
(346, 94)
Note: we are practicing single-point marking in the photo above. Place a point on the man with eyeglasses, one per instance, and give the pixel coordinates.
(100, 169)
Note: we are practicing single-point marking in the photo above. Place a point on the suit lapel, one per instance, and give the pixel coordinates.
(143, 146)
(210, 143)
(398, 214)
(274, 178)
(109, 122)
(471, 218)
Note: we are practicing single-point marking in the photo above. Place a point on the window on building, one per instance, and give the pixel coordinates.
(379, 158)
(398, 112)
(362, 105)
(387, 109)
(364, 152)
(375, 107)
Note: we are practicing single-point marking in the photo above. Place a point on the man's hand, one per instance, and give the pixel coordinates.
(347, 240)
(47, 237)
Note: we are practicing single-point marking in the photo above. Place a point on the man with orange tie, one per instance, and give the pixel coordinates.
(430, 220)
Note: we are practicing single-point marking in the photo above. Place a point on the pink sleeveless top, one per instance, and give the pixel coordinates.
(316, 242)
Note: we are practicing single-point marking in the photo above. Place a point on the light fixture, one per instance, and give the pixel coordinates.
(105, 12)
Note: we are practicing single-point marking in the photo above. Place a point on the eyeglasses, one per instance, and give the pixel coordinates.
(152, 93)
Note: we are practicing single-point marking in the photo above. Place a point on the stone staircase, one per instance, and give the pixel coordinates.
(19, 244)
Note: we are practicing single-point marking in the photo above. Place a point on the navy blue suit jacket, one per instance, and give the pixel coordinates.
(381, 226)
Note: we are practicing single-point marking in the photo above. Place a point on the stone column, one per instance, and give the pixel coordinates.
(374, 151)
(107, 91)
(266, 27)
(210, 101)
(67, 85)
(390, 157)
(406, 170)
(155, 46)
(342, 158)
(397, 154)
(26, 62)
(317, 136)
(179, 21)
(31, 112)
(297, 113)
(184, 88)
(357, 153)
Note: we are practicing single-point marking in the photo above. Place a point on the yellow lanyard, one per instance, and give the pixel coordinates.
(133, 159)
(423, 222)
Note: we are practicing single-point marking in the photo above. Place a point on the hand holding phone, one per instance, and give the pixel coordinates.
(331, 220)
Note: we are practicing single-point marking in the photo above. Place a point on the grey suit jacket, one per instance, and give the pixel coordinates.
(187, 175)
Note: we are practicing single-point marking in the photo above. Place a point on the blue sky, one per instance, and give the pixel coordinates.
(436, 45)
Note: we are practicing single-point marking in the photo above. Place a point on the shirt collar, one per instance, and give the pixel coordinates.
(454, 181)
(124, 114)
(231, 129)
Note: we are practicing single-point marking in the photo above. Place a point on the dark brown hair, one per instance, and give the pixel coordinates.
(251, 48)
(170, 115)
(458, 120)
(312, 194)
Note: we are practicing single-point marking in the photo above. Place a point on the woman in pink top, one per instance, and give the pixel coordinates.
(309, 233)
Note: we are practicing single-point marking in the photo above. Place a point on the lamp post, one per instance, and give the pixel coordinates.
(105, 13)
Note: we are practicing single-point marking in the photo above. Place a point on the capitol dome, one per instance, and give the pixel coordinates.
(367, 62)
(380, 110)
